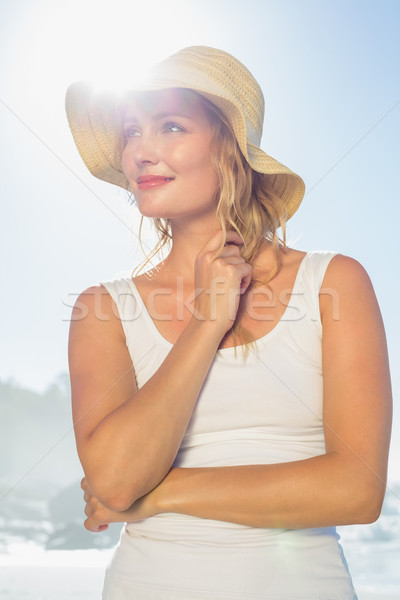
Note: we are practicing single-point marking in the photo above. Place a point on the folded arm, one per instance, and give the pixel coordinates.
(344, 486)
(127, 438)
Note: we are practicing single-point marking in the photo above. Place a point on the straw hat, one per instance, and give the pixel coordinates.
(94, 116)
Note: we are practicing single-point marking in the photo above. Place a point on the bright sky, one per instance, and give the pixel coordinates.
(330, 73)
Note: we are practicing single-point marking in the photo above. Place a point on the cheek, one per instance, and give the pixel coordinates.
(195, 160)
(206, 170)
(125, 162)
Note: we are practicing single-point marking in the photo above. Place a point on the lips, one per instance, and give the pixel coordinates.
(149, 181)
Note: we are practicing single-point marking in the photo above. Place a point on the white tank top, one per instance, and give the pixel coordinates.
(264, 409)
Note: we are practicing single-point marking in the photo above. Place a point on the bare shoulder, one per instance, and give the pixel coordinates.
(95, 301)
(99, 362)
(345, 269)
(95, 328)
(347, 289)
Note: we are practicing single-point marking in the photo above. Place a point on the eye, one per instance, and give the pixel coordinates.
(172, 127)
(131, 131)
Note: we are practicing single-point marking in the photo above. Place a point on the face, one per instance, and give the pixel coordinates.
(167, 158)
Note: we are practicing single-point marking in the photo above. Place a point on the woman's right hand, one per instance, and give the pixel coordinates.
(220, 281)
(99, 516)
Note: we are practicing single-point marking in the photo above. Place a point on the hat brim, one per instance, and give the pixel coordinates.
(94, 118)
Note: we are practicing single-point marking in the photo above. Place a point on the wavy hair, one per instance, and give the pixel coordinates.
(245, 203)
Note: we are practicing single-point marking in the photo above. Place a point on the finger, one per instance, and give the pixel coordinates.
(215, 241)
(230, 250)
(234, 238)
(246, 278)
(243, 271)
(92, 525)
(233, 260)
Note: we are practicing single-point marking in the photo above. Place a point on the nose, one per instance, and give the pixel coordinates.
(144, 150)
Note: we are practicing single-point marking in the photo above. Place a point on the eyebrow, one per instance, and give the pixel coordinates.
(159, 116)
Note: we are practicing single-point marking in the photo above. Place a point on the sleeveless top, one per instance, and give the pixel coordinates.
(264, 409)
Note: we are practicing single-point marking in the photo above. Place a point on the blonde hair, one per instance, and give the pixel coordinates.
(245, 204)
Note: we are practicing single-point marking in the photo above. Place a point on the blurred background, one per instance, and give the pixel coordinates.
(329, 70)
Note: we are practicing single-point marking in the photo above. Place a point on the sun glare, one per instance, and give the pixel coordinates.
(109, 43)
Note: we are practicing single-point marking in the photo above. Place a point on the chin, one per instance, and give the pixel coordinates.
(146, 211)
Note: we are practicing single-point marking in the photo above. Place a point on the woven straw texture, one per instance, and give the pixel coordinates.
(95, 117)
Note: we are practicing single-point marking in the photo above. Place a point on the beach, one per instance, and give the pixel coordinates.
(28, 572)
(79, 583)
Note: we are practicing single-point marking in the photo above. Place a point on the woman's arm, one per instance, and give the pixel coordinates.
(344, 486)
(127, 439)
(347, 484)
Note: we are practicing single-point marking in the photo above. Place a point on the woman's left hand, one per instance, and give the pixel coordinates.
(99, 516)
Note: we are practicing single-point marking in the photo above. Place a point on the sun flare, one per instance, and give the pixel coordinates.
(93, 40)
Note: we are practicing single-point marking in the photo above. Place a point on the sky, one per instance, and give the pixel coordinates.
(329, 70)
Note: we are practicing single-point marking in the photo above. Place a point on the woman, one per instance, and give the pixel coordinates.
(231, 470)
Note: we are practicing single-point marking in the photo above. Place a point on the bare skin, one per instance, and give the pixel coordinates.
(170, 299)
(114, 420)
(344, 486)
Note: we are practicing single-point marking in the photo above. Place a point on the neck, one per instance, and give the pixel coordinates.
(188, 239)
(187, 242)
